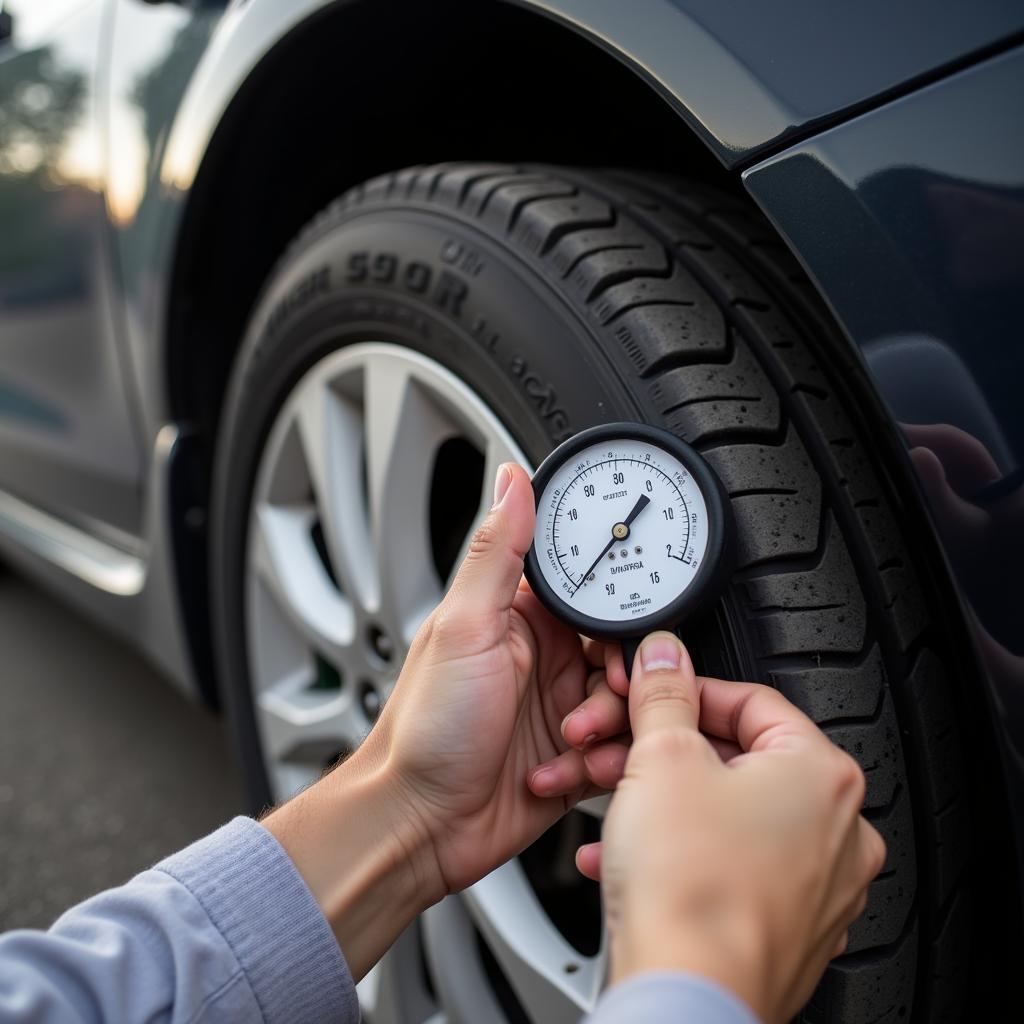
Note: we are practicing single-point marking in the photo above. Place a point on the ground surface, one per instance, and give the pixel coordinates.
(104, 767)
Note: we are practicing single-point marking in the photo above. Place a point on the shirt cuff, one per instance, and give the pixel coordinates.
(667, 997)
(257, 900)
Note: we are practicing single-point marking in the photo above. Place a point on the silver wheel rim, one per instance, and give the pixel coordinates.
(341, 570)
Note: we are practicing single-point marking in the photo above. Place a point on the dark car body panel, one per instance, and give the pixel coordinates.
(751, 76)
(911, 221)
(928, 191)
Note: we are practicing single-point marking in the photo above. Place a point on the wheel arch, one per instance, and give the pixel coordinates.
(283, 133)
(274, 125)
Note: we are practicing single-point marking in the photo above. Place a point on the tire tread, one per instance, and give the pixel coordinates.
(696, 301)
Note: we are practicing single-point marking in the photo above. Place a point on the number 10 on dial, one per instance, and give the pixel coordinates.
(633, 533)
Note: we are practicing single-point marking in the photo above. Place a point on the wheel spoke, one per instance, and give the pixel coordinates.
(391, 992)
(497, 451)
(596, 806)
(341, 571)
(404, 428)
(553, 981)
(465, 993)
(303, 726)
(331, 429)
(286, 561)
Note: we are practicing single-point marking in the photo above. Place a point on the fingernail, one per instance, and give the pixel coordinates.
(661, 651)
(501, 483)
(539, 773)
(568, 718)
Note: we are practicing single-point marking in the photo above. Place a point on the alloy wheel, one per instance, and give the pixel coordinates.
(374, 474)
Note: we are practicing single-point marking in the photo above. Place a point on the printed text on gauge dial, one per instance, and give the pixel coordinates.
(621, 530)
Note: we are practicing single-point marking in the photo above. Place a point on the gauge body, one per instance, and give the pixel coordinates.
(633, 532)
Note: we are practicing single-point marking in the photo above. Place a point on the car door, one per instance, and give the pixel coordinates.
(68, 441)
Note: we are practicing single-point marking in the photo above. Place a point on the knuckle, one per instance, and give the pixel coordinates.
(424, 635)
(664, 693)
(485, 539)
(762, 693)
(859, 906)
(753, 693)
(765, 692)
(667, 745)
(597, 682)
(877, 851)
(448, 625)
(848, 778)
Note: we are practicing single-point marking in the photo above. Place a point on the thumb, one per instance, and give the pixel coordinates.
(663, 690)
(488, 578)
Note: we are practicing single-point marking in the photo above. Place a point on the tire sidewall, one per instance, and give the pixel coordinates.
(432, 285)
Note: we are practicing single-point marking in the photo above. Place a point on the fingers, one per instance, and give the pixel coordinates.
(726, 749)
(588, 861)
(593, 652)
(608, 657)
(968, 464)
(873, 849)
(752, 715)
(605, 764)
(573, 771)
(488, 579)
(950, 507)
(866, 853)
(601, 715)
(562, 775)
(663, 693)
(615, 669)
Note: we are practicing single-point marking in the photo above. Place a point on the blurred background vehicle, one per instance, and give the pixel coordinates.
(282, 284)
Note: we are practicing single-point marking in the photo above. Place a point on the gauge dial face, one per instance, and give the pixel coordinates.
(622, 529)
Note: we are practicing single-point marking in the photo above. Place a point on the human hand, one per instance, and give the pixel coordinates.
(954, 468)
(982, 531)
(468, 763)
(740, 855)
(472, 732)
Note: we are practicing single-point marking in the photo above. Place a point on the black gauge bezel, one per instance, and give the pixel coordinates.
(715, 569)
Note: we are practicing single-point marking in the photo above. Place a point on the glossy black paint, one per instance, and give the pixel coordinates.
(911, 220)
(749, 76)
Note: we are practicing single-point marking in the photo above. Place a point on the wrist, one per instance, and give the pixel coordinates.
(729, 955)
(368, 862)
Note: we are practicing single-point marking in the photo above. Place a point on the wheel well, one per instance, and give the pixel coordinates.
(369, 87)
(358, 89)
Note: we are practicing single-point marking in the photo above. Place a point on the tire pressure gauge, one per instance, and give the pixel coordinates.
(633, 533)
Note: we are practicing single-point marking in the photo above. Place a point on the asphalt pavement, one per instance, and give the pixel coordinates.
(104, 766)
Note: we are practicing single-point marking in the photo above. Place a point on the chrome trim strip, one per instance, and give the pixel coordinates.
(94, 561)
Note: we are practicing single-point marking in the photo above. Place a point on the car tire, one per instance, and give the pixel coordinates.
(563, 299)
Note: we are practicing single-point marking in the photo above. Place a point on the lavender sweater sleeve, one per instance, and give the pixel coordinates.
(224, 930)
(670, 998)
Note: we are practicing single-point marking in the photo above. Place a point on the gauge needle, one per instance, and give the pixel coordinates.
(641, 503)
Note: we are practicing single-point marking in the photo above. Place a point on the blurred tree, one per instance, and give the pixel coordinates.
(39, 104)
